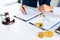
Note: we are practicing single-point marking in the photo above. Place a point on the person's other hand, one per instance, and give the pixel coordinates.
(23, 9)
(45, 8)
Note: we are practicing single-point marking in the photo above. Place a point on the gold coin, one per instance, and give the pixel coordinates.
(38, 24)
(49, 34)
(40, 35)
(45, 33)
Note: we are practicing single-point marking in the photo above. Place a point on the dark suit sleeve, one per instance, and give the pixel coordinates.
(32, 3)
(47, 2)
(24, 2)
(41, 2)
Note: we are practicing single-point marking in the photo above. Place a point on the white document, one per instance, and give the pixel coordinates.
(31, 12)
(48, 21)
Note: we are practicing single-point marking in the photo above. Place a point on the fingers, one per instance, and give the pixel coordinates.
(23, 9)
(45, 8)
(41, 8)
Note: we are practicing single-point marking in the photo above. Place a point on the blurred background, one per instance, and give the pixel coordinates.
(5, 2)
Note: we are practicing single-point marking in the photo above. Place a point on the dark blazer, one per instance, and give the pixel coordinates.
(33, 3)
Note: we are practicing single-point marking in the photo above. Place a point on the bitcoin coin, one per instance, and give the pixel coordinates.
(49, 34)
(40, 35)
(45, 34)
(38, 24)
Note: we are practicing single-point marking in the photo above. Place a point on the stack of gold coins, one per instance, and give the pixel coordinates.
(38, 24)
(45, 34)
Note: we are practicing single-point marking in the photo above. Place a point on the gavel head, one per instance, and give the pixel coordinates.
(7, 19)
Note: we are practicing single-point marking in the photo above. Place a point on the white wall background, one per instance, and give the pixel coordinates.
(54, 2)
(4, 2)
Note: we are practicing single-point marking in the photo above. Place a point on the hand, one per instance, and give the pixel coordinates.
(23, 9)
(45, 8)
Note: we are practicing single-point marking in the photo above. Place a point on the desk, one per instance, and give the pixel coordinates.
(21, 30)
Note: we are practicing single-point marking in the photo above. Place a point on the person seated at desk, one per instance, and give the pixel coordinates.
(33, 3)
